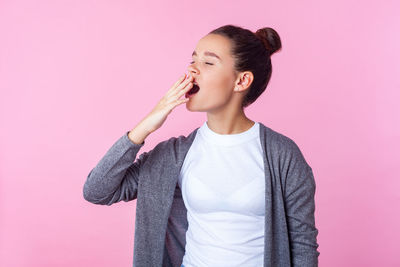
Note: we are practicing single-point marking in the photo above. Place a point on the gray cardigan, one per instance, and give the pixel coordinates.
(161, 223)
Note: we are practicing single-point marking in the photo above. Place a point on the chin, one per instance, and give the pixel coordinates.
(191, 106)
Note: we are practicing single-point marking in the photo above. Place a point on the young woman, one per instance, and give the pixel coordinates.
(233, 192)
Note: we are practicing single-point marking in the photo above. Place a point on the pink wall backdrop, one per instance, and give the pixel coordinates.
(76, 75)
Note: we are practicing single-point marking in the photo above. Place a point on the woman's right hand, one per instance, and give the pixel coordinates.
(168, 102)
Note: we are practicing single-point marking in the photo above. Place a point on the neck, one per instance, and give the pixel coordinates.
(229, 123)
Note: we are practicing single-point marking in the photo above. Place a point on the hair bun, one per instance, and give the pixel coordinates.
(270, 39)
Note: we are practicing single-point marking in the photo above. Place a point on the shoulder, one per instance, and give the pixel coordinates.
(174, 146)
(176, 141)
(282, 146)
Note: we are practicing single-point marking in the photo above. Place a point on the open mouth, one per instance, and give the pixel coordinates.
(194, 90)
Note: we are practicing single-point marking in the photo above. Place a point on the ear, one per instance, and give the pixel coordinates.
(244, 81)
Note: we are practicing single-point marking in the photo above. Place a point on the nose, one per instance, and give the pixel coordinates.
(192, 70)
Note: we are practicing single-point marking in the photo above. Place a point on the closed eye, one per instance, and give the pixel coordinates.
(206, 63)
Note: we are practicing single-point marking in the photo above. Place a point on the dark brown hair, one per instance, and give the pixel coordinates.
(252, 52)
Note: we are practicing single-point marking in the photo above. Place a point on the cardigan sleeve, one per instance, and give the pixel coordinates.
(115, 177)
(300, 208)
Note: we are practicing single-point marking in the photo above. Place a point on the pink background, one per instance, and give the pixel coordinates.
(76, 75)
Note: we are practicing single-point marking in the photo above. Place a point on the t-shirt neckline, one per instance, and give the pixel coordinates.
(229, 139)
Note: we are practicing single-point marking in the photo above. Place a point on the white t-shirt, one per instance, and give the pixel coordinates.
(223, 187)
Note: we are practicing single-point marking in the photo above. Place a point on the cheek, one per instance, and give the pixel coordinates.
(221, 80)
(224, 87)
(219, 84)
(216, 94)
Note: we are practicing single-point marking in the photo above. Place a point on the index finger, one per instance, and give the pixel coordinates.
(181, 78)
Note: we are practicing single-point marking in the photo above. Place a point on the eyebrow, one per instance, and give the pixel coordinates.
(207, 53)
